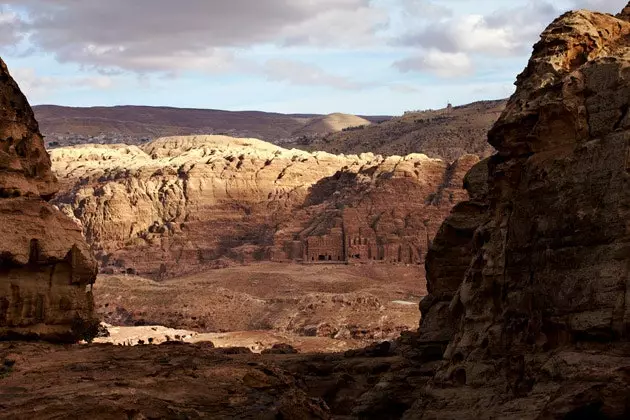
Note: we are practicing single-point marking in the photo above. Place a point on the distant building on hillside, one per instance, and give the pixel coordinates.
(342, 246)
(325, 248)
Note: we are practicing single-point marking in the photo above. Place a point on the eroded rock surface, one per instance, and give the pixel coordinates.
(172, 380)
(184, 204)
(46, 267)
(447, 262)
(538, 325)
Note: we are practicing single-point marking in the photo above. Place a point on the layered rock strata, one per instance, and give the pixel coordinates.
(46, 267)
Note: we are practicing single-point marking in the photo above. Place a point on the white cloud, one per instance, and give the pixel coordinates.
(334, 27)
(502, 33)
(36, 87)
(166, 35)
(299, 73)
(440, 63)
(10, 28)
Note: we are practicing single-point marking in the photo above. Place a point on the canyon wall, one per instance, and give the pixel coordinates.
(184, 204)
(46, 267)
(529, 279)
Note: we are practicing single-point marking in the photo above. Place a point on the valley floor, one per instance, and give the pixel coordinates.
(311, 307)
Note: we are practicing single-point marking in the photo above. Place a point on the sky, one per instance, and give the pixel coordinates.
(367, 57)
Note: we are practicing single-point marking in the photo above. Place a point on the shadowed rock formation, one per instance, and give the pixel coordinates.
(537, 320)
(447, 262)
(46, 268)
(169, 381)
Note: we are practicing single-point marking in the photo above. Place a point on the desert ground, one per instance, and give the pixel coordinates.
(317, 307)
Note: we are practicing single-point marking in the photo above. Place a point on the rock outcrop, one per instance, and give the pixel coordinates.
(46, 267)
(535, 324)
(447, 262)
(184, 204)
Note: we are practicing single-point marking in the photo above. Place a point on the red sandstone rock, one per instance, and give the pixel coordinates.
(538, 325)
(46, 268)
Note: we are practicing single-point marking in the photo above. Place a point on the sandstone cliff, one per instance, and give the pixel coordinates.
(183, 204)
(529, 279)
(46, 268)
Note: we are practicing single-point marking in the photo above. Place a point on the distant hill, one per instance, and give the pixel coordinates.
(332, 123)
(64, 126)
(445, 133)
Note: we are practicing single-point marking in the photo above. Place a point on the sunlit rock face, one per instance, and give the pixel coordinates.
(185, 204)
(535, 324)
(46, 267)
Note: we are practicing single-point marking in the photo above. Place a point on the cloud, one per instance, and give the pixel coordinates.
(37, 87)
(10, 28)
(299, 73)
(442, 64)
(425, 9)
(608, 6)
(167, 35)
(404, 88)
(506, 32)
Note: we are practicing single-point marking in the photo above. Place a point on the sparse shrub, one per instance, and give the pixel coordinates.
(6, 368)
(150, 339)
(86, 329)
(355, 128)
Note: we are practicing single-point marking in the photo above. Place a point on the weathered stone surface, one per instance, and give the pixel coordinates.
(46, 268)
(184, 204)
(540, 318)
(24, 163)
(169, 381)
(447, 262)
